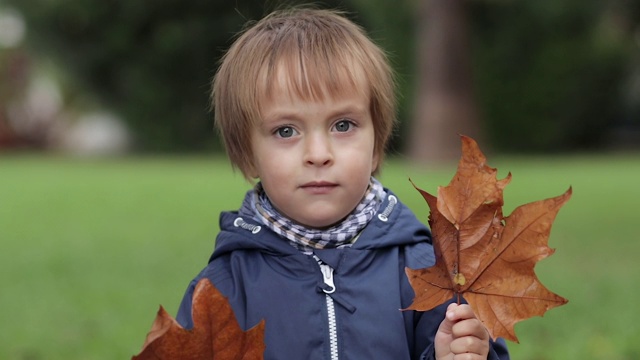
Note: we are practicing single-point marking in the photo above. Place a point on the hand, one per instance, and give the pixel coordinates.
(461, 336)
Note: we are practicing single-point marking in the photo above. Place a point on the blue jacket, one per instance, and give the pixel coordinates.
(339, 303)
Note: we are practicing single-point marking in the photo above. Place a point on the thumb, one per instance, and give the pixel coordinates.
(449, 319)
(444, 336)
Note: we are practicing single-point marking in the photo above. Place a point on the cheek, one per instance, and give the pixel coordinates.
(270, 166)
(259, 160)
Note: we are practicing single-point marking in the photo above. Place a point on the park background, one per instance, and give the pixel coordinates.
(112, 178)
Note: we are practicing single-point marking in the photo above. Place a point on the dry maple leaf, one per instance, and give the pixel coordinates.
(215, 334)
(482, 256)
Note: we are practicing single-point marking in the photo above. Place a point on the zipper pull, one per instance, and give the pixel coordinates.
(329, 287)
(327, 276)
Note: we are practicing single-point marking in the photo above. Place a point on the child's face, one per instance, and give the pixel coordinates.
(315, 158)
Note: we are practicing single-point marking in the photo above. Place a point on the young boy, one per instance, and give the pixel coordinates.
(305, 104)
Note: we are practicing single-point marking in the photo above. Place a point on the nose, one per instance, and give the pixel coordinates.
(318, 150)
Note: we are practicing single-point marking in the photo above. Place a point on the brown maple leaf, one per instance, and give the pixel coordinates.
(215, 334)
(482, 256)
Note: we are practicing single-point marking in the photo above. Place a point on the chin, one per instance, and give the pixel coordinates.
(321, 223)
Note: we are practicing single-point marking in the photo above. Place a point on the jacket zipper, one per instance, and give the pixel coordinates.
(330, 288)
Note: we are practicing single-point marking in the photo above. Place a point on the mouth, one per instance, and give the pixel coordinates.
(319, 187)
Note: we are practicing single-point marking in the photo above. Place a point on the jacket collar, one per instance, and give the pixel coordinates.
(394, 225)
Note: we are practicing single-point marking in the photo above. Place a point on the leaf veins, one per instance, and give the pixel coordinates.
(215, 335)
(483, 256)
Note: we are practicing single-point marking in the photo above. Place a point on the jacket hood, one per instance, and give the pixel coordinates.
(393, 225)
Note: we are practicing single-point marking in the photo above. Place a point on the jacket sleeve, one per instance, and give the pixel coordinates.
(427, 324)
(184, 317)
(498, 351)
(184, 311)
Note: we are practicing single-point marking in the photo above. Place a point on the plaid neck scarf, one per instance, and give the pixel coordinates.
(306, 239)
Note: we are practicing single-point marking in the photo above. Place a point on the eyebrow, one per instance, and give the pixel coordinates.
(347, 110)
(350, 110)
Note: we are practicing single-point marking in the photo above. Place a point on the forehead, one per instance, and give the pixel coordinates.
(312, 79)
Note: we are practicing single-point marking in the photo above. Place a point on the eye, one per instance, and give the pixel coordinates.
(285, 132)
(343, 125)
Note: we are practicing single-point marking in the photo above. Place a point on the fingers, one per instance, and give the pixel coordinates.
(463, 322)
(469, 345)
(449, 320)
(469, 337)
(457, 312)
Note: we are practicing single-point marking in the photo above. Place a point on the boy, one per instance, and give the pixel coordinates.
(305, 104)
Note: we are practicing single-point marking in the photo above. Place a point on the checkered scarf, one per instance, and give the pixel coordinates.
(258, 206)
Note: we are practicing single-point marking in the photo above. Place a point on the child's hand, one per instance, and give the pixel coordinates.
(461, 335)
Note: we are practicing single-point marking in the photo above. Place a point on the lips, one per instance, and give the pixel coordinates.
(319, 187)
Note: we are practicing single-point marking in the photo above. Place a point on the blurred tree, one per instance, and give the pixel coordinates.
(620, 27)
(548, 72)
(14, 69)
(444, 104)
(391, 24)
(149, 60)
(536, 75)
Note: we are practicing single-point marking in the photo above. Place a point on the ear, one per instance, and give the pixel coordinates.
(250, 171)
(375, 162)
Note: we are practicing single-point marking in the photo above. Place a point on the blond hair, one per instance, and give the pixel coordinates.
(322, 52)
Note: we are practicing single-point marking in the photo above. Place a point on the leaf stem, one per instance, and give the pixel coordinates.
(458, 263)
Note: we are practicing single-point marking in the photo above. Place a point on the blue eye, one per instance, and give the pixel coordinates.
(285, 132)
(343, 125)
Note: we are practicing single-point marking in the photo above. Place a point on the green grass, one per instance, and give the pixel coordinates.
(89, 249)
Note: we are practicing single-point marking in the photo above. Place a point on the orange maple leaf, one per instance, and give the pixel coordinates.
(215, 334)
(482, 256)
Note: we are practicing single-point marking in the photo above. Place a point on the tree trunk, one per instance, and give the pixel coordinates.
(445, 105)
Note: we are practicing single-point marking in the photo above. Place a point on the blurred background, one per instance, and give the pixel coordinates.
(88, 76)
(111, 172)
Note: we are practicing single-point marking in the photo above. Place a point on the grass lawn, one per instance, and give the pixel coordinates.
(89, 249)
